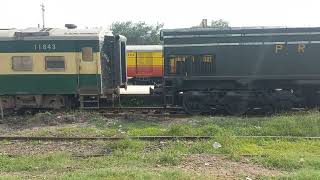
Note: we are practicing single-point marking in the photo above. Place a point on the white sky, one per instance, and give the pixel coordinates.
(173, 13)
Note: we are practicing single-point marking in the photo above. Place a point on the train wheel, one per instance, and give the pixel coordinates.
(194, 105)
(237, 108)
(283, 101)
(267, 109)
(284, 105)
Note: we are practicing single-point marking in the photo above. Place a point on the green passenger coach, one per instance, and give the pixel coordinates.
(55, 68)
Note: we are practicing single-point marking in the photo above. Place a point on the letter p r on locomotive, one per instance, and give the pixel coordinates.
(279, 47)
(301, 48)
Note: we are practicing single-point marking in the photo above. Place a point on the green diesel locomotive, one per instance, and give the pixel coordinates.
(242, 69)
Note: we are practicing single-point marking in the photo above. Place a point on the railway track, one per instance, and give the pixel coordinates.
(165, 112)
(143, 109)
(144, 138)
(126, 111)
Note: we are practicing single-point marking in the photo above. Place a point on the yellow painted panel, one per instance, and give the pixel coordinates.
(144, 58)
(131, 61)
(158, 61)
(149, 54)
(147, 61)
(157, 54)
(131, 54)
(150, 61)
(72, 61)
(90, 67)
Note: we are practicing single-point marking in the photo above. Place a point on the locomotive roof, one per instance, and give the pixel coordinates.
(52, 34)
(171, 33)
(144, 48)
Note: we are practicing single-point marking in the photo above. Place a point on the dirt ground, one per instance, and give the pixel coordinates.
(221, 167)
(16, 148)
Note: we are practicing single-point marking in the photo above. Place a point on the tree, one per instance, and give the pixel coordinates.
(138, 33)
(217, 24)
(220, 24)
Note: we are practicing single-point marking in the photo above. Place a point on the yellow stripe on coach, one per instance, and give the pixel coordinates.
(72, 62)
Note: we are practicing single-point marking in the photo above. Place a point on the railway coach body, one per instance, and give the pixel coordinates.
(54, 67)
(145, 63)
(248, 67)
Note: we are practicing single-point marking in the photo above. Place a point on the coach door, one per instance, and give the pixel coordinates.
(89, 73)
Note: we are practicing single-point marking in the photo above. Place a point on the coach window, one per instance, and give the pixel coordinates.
(191, 65)
(203, 65)
(55, 63)
(177, 64)
(87, 54)
(22, 63)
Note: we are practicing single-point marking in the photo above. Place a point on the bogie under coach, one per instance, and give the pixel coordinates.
(241, 69)
(55, 68)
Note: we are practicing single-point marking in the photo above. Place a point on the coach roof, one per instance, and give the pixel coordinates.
(52, 34)
(241, 31)
(144, 48)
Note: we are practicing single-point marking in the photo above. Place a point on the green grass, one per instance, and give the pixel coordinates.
(8, 177)
(128, 160)
(130, 173)
(298, 124)
(58, 161)
(303, 174)
(144, 159)
(133, 159)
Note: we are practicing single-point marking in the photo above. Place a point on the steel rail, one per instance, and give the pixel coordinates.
(160, 115)
(146, 108)
(135, 108)
(175, 112)
(144, 138)
(166, 112)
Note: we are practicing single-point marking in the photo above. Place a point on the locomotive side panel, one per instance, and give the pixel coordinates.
(240, 69)
(251, 53)
(262, 61)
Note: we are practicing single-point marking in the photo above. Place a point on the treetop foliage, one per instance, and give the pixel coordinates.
(220, 24)
(139, 33)
(216, 24)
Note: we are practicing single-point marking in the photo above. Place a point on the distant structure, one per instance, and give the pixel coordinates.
(204, 23)
(43, 10)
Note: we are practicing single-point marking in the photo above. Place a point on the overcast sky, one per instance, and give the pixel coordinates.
(173, 13)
